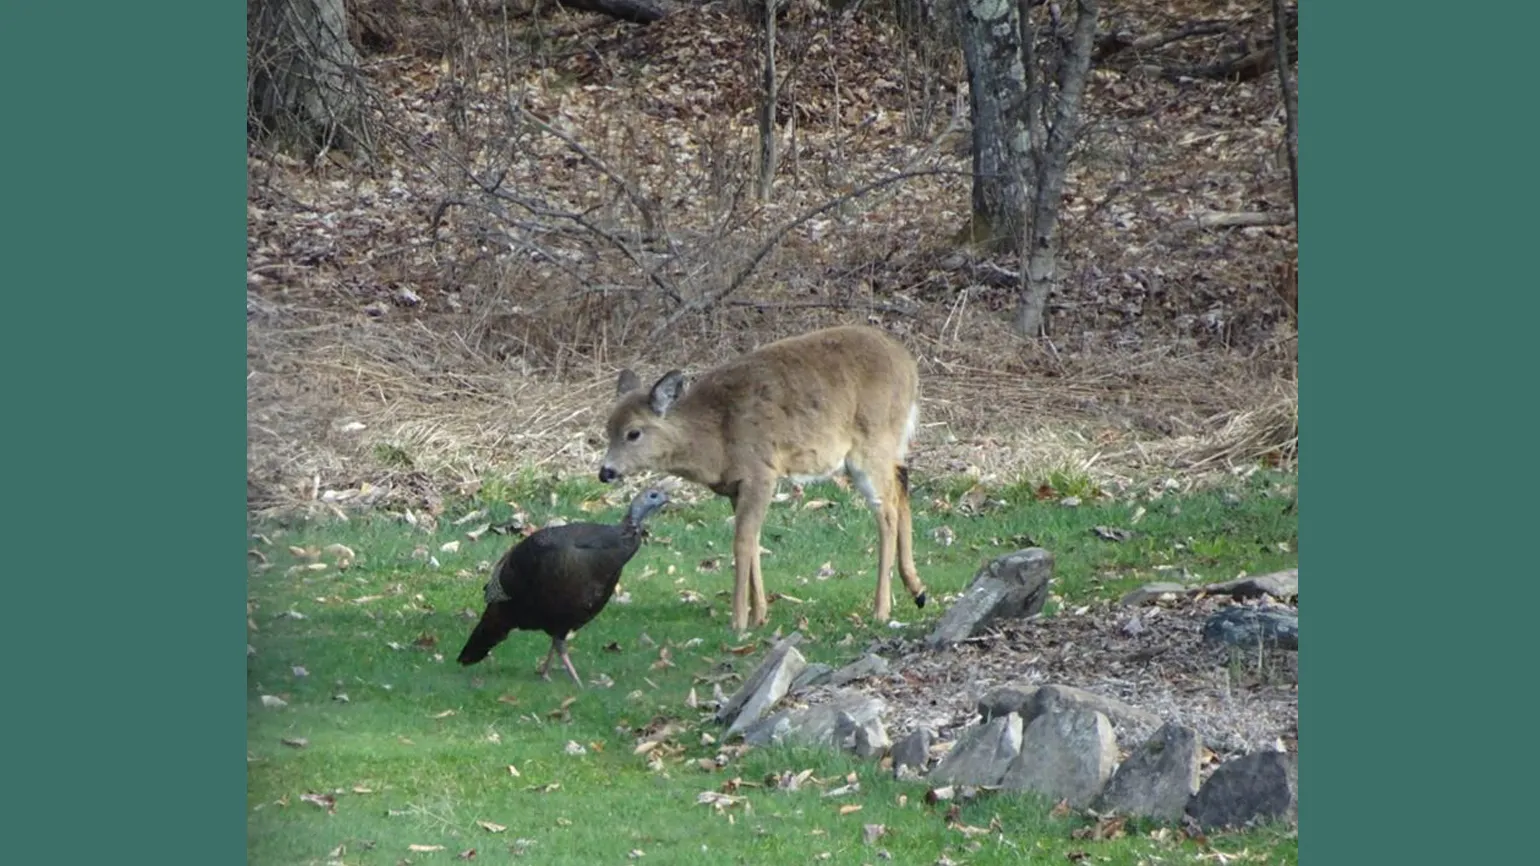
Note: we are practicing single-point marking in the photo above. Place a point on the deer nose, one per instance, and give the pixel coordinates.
(606, 474)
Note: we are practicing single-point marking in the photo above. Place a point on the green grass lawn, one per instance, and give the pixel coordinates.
(383, 743)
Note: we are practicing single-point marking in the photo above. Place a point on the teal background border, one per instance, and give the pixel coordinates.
(1418, 317)
(124, 415)
(124, 651)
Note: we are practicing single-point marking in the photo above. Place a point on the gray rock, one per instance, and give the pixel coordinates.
(1033, 701)
(815, 674)
(869, 665)
(913, 752)
(1281, 585)
(850, 720)
(1066, 754)
(1261, 785)
(765, 687)
(1005, 700)
(1249, 626)
(1011, 587)
(1159, 778)
(1153, 592)
(869, 740)
(981, 755)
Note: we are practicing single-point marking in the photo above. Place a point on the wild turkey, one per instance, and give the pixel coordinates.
(557, 580)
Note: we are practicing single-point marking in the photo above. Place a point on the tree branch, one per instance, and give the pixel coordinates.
(1290, 96)
(1234, 220)
(711, 299)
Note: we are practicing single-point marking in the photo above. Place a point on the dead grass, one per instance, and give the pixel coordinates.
(1001, 413)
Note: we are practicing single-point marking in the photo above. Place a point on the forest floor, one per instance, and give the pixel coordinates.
(411, 334)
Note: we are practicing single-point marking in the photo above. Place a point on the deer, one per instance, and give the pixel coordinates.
(841, 400)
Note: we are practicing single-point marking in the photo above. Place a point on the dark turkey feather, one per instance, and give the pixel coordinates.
(557, 580)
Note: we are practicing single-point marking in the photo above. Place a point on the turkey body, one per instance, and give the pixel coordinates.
(556, 581)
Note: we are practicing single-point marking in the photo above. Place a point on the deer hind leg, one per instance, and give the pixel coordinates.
(880, 495)
(750, 505)
(910, 574)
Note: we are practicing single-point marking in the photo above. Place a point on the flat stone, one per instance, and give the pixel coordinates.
(1033, 701)
(1249, 626)
(869, 665)
(1013, 586)
(1005, 700)
(912, 752)
(1281, 585)
(1159, 778)
(1067, 753)
(982, 754)
(1258, 786)
(815, 674)
(850, 720)
(1154, 592)
(764, 688)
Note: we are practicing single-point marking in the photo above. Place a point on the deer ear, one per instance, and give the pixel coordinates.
(666, 392)
(628, 382)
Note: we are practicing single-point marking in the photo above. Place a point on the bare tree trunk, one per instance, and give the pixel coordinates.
(768, 96)
(302, 74)
(1290, 93)
(1051, 147)
(1002, 154)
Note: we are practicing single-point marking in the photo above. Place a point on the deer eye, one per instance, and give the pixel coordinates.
(633, 435)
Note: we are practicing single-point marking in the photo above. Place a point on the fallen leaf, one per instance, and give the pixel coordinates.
(1060, 809)
(574, 748)
(513, 771)
(449, 546)
(564, 822)
(849, 808)
(273, 701)
(870, 833)
(425, 641)
(490, 827)
(444, 715)
(1111, 533)
(325, 801)
(424, 849)
(467, 854)
(296, 742)
(507, 699)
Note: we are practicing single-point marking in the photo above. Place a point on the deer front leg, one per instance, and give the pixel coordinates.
(749, 508)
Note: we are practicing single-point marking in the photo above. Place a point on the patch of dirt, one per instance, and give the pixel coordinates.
(1151, 657)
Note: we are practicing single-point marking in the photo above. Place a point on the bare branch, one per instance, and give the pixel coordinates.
(1234, 220)
(711, 299)
(1114, 44)
(642, 203)
(1290, 96)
